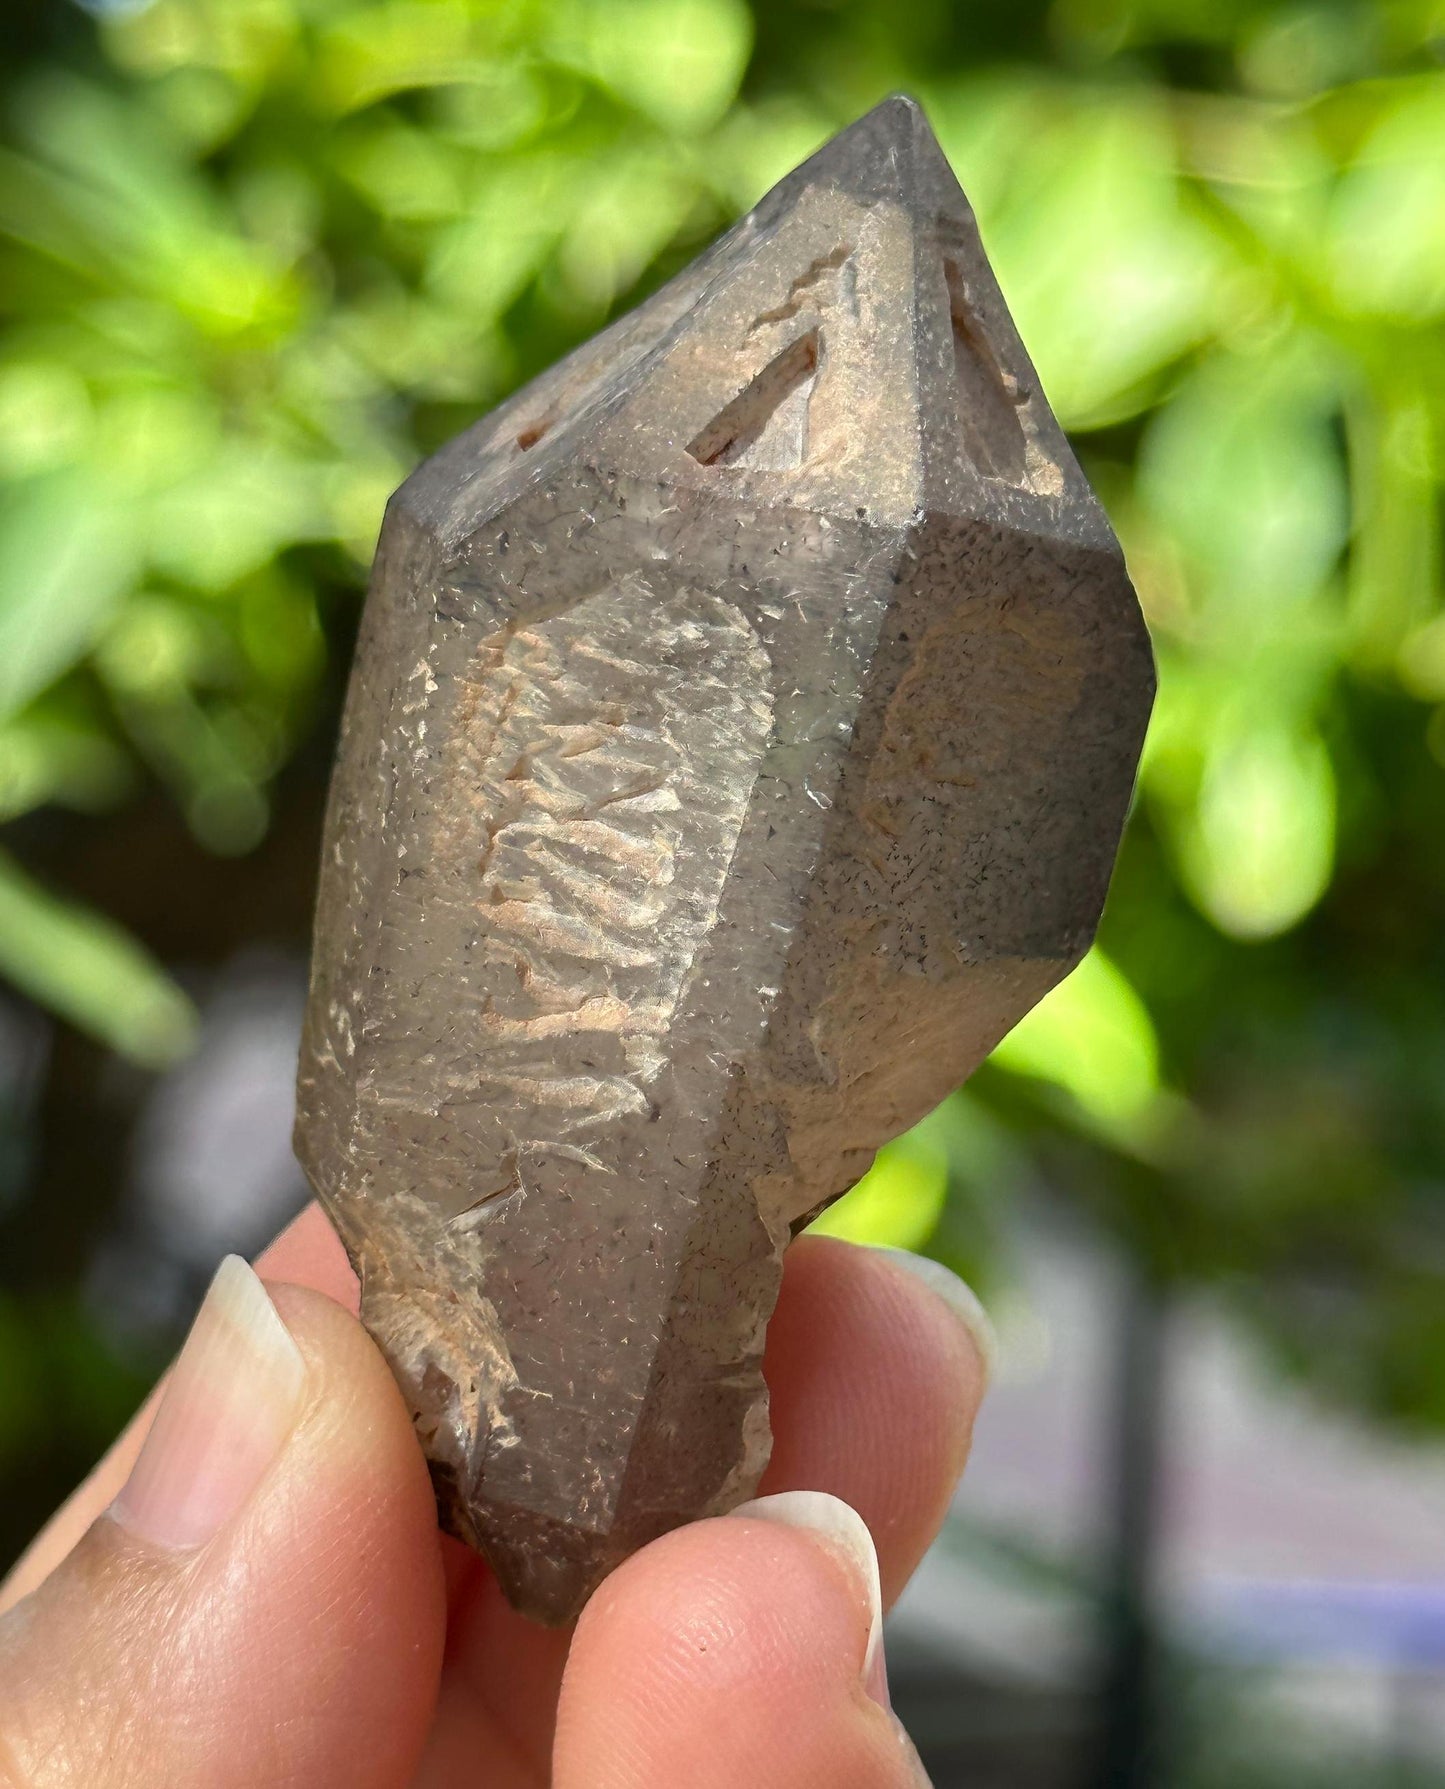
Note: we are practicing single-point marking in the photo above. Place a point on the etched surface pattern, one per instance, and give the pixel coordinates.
(622, 740)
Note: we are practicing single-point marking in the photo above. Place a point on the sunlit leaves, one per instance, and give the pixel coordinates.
(623, 219)
(1092, 1037)
(248, 41)
(276, 247)
(898, 1201)
(67, 556)
(241, 505)
(1257, 847)
(370, 52)
(1109, 277)
(83, 966)
(1242, 471)
(678, 62)
(1387, 238)
(1243, 468)
(404, 172)
(50, 754)
(1394, 567)
(45, 416)
(148, 222)
(488, 254)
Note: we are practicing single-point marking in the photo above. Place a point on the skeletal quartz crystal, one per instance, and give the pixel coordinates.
(743, 722)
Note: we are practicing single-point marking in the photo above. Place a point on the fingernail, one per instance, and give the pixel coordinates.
(962, 1300)
(840, 1527)
(231, 1401)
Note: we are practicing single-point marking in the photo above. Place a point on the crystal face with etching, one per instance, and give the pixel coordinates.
(741, 731)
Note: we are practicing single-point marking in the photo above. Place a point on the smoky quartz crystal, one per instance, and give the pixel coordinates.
(741, 730)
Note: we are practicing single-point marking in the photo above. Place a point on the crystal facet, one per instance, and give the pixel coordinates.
(741, 731)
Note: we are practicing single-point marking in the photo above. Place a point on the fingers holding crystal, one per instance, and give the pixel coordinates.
(877, 1361)
(875, 1381)
(876, 1373)
(263, 1597)
(762, 1632)
(745, 1649)
(308, 1252)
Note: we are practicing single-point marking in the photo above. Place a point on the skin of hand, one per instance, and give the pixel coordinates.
(250, 1589)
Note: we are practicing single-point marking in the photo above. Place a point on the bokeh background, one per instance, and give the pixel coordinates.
(258, 256)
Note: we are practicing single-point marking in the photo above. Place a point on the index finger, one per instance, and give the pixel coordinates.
(874, 1385)
(308, 1252)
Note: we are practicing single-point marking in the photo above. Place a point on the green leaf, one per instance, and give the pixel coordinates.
(45, 417)
(629, 210)
(67, 557)
(1259, 849)
(49, 755)
(1394, 570)
(677, 61)
(235, 514)
(757, 145)
(479, 263)
(1108, 277)
(373, 51)
(1243, 470)
(86, 968)
(1091, 1036)
(1386, 245)
(898, 1202)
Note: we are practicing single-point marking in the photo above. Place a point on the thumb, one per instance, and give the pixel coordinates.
(262, 1603)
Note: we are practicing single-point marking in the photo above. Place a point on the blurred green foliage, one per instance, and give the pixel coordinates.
(256, 256)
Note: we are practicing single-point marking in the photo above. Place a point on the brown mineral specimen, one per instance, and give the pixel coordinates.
(743, 722)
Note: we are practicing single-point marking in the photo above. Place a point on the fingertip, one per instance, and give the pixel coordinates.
(733, 1650)
(874, 1383)
(961, 1302)
(354, 1478)
(332, 1583)
(308, 1252)
(839, 1527)
(285, 1623)
(900, 1298)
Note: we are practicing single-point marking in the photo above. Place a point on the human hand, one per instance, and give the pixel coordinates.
(250, 1589)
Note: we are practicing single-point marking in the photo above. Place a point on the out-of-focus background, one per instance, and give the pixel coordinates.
(257, 256)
